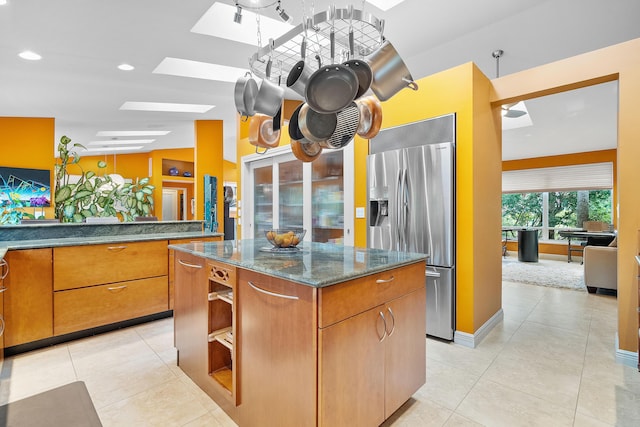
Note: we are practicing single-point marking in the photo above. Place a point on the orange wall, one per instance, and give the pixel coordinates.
(209, 161)
(619, 62)
(28, 143)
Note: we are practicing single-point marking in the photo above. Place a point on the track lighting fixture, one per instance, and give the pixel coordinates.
(237, 17)
(283, 15)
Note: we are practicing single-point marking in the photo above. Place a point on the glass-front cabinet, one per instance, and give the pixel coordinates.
(287, 193)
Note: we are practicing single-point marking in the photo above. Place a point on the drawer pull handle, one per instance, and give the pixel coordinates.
(385, 280)
(384, 334)
(2, 328)
(393, 318)
(116, 248)
(186, 264)
(5, 266)
(117, 288)
(273, 294)
(2, 289)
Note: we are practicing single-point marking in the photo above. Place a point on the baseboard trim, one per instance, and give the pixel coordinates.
(472, 340)
(625, 357)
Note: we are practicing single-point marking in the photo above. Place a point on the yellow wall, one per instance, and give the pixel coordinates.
(28, 143)
(621, 62)
(463, 90)
(209, 161)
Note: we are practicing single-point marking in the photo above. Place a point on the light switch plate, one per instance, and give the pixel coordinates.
(359, 212)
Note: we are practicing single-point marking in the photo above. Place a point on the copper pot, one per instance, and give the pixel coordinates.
(264, 131)
(370, 116)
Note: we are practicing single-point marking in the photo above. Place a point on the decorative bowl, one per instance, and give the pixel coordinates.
(285, 238)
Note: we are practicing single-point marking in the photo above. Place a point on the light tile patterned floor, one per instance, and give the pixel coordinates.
(551, 362)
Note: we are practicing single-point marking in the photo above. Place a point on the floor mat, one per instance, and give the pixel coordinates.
(68, 406)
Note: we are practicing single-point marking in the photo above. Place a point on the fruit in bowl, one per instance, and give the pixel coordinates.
(285, 238)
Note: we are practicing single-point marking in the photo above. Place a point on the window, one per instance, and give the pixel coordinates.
(553, 210)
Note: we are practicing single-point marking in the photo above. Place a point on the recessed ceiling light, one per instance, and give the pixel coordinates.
(31, 56)
(3, 2)
(126, 67)
(122, 142)
(198, 70)
(108, 149)
(385, 5)
(166, 106)
(218, 22)
(133, 132)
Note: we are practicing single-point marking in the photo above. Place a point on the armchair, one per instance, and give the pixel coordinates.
(600, 267)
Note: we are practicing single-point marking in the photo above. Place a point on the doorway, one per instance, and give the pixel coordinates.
(174, 205)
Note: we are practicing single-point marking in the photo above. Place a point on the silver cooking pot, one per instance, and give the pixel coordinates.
(269, 98)
(390, 73)
(245, 93)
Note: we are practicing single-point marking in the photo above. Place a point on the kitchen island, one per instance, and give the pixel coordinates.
(328, 335)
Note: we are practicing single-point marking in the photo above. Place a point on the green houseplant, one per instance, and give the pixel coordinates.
(93, 195)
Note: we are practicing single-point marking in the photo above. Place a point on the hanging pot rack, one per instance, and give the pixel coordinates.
(286, 49)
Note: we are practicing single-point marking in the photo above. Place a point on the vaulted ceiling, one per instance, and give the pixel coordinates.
(83, 41)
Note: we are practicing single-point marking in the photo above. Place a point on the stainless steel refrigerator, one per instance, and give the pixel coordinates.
(411, 199)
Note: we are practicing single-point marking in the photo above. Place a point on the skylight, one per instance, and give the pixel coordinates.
(109, 149)
(218, 22)
(198, 70)
(166, 106)
(132, 132)
(122, 142)
(385, 4)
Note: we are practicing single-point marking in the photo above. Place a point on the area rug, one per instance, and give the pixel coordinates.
(66, 406)
(545, 272)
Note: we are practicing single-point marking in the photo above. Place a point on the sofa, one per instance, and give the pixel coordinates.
(600, 267)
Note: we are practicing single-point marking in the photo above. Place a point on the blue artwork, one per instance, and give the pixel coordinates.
(210, 202)
(29, 187)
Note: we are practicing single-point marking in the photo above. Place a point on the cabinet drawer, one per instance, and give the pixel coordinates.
(79, 266)
(84, 308)
(347, 299)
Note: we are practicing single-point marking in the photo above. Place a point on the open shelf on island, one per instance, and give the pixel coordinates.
(224, 376)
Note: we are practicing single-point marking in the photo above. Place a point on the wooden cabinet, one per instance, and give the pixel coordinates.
(28, 300)
(378, 355)
(277, 354)
(4, 270)
(97, 285)
(203, 310)
(93, 306)
(172, 260)
(80, 266)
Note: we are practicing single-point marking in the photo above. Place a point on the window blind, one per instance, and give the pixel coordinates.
(592, 176)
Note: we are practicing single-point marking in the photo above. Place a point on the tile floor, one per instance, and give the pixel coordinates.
(550, 363)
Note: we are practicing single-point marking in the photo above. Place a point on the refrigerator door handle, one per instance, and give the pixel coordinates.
(407, 208)
(398, 224)
(432, 274)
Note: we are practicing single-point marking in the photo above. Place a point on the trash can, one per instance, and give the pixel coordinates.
(528, 245)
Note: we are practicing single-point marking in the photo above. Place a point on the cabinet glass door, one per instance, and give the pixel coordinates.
(263, 200)
(328, 197)
(290, 193)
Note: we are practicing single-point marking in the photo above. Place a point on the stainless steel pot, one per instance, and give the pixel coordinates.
(316, 127)
(390, 73)
(301, 72)
(269, 98)
(245, 93)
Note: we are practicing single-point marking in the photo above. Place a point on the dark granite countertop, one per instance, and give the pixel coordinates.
(315, 264)
(41, 235)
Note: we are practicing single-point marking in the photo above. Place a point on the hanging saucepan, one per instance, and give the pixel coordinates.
(305, 152)
(370, 116)
(245, 93)
(359, 66)
(270, 95)
(346, 127)
(316, 127)
(332, 87)
(264, 131)
(390, 73)
(301, 72)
